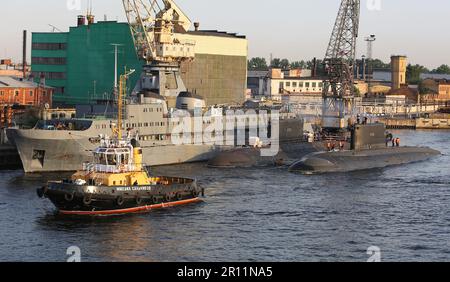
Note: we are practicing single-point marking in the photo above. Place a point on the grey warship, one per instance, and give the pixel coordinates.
(63, 145)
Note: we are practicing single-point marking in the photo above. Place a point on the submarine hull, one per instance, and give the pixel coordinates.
(346, 161)
(252, 157)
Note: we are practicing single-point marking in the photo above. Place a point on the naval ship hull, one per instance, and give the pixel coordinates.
(347, 161)
(66, 150)
(54, 151)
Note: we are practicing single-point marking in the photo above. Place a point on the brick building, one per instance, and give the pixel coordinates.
(438, 88)
(16, 91)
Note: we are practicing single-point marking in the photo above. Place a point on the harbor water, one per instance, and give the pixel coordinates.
(258, 214)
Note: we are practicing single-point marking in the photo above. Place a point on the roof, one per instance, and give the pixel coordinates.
(301, 78)
(216, 33)
(12, 82)
(409, 93)
(434, 76)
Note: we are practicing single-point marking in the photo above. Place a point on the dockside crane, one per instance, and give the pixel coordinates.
(339, 89)
(157, 27)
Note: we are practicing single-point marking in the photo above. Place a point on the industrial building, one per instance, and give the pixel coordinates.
(276, 84)
(439, 88)
(398, 65)
(79, 64)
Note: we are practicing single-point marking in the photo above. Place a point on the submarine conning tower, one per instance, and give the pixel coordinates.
(368, 136)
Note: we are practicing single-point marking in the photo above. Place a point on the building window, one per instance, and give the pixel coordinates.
(31, 93)
(314, 84)
(2, 93)
(51, 75)
(294, 84)
(300, 84)
(49, 46)
(307, 84)
(16, 93)
(48, 61)
(288, 84)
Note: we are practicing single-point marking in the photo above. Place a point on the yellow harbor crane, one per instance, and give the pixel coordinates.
(156, 26)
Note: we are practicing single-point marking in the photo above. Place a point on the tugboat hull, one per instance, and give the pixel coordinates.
(72, 199)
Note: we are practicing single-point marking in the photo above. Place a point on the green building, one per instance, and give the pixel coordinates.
(80, 63)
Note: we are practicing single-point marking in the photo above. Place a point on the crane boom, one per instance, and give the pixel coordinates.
(155, 27)
(339, 89)
(153, 24)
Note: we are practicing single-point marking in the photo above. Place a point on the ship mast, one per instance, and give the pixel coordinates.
(120, 100)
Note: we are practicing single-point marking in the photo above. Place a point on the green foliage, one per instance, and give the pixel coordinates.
(379, 64)
(443, 69)
(258, 64)
(299, 65)
(276, 63)
(413, 73)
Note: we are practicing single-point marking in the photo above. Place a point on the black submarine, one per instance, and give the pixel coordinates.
(291, 148)
(369, 150)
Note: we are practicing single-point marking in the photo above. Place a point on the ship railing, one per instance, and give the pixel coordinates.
(89, 167)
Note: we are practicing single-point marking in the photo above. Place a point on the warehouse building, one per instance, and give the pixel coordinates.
(79, 64)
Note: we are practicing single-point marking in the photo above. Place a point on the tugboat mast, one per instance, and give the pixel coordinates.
(120, 100)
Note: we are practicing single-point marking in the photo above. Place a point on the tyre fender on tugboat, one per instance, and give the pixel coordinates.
(120, 201)
(69, 197)
(87, 200)
(155, 200)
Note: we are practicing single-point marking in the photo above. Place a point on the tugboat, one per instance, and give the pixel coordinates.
(117, 182)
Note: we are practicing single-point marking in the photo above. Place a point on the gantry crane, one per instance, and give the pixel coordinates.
(156, 26)
(339, 89)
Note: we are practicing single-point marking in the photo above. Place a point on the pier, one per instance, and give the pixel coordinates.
(417, 123)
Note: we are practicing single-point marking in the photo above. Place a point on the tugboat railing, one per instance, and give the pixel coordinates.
(89, 167)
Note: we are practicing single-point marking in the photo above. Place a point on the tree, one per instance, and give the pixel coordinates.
(280, 63)
(379, 64)
(413, 73)
(257, 64)
(276, 63)
(299, 65)
(443, 69)
(285, 64)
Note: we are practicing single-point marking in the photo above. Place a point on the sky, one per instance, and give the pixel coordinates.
(293, 29)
